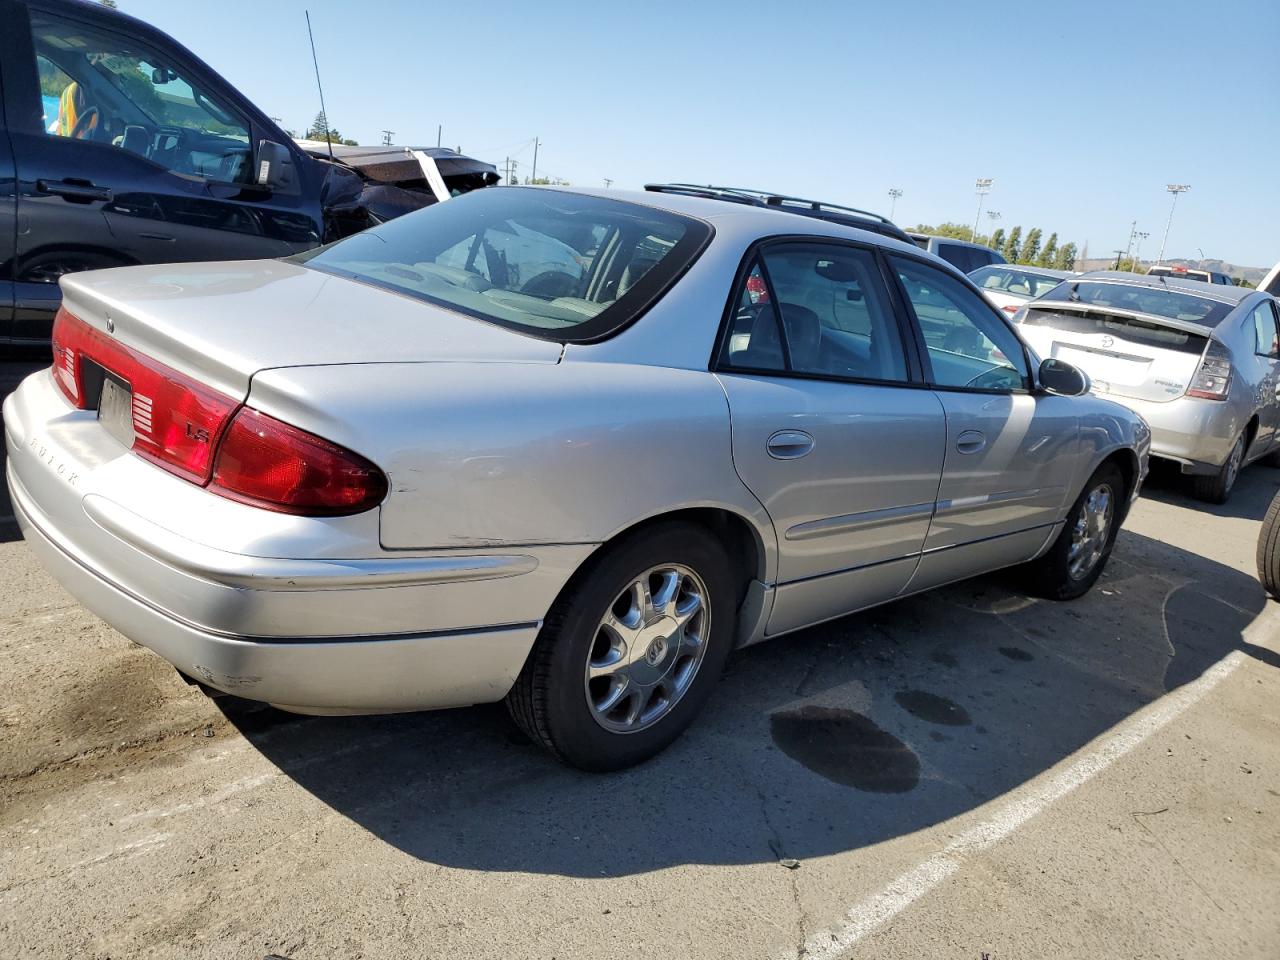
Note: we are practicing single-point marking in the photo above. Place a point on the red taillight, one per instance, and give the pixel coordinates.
(178, 423)
(1010, 308)
(176, 420)
(268, 463)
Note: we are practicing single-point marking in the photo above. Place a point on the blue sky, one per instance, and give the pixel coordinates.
(1080, 112)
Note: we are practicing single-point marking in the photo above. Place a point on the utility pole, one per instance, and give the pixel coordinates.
(894, 193)
(994, 215)
(1119, 254)
(607, 183)
(534, 177)
(1175, 189)
(983, 186)
(1133, 229)
(513, 179)
(439, 133)
(386, 137)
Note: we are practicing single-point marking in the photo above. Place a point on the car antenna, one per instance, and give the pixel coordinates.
(316, 63)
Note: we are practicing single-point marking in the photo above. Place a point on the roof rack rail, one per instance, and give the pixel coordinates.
(759, 198)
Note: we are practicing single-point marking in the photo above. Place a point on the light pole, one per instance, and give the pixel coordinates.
(1137, 254)
(1175, 189)
(994, 215)
(895, 193)
(983, 186)
(1133, 229)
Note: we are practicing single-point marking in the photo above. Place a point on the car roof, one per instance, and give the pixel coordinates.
(762, 221)
(941, 239)
(1210, 291)
(1026, 268)
(803, 206)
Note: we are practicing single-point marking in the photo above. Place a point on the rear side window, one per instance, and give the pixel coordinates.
(559, 266)
(968, 345)
(1012, 280)
(1265, 332)
(818, 309)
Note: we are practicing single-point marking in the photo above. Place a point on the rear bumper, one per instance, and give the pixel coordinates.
(306, 613)
(1198, 434)
(367, 674)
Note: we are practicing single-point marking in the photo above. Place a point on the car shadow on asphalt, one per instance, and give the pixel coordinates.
(1249, 500)
(832, 739)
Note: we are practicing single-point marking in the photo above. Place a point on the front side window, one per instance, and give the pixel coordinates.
(968, 345)
(1266, 335)
(100, 88)
(560, 266)
(818, 309)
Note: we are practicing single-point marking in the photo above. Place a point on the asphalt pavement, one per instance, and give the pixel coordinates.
(969, 773)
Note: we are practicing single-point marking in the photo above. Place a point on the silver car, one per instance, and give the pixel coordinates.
(1200, 362)
(440, 463)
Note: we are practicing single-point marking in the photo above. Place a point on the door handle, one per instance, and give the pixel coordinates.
(75, 190)
(789, 445)
(971, 441)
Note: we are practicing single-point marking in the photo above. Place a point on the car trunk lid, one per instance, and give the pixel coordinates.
(1128, 354)
(220, 323)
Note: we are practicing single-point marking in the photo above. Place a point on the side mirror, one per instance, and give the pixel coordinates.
(275, 166)
(1064, 379)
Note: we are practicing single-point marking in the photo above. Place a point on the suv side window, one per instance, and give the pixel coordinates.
(967, 344)
(1265, 331)
(106, 89)
(818, 309)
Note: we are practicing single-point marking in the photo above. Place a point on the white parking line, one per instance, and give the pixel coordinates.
(900, 893)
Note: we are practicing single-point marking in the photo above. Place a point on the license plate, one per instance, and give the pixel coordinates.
(115, 409)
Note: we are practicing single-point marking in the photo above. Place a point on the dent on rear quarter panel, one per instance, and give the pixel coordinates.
(490, 453)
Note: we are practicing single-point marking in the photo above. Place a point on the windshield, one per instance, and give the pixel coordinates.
(1173, 304)
(1021, 283)
(561, 266)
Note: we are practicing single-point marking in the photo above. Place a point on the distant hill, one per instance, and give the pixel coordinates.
(1251, 274)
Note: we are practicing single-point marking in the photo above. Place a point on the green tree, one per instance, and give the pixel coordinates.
(1030, 246)
(954, 231)
(1050, 252)
(1066, 257)
(997, 239)
(1013, 245)
(110, 3)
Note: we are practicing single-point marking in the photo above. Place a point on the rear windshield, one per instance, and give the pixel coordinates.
(1125, 329)
(1022, 283)
(1174, 304)
(560, 266)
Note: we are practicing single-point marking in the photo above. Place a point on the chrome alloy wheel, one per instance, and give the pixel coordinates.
(1093, 526)
(648, 648)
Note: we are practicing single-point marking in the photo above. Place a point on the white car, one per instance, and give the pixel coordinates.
(1009, 286)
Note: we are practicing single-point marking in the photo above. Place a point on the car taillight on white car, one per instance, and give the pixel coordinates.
(212, 440)
(1212, 379)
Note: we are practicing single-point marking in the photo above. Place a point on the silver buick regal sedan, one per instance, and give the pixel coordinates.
(556, 447)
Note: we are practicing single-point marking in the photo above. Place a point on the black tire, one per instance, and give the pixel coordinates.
(1272, 459)
(1217, 487)
(1268, 557)
(1050, 576)
(549, 699)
